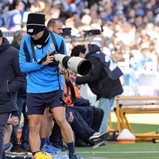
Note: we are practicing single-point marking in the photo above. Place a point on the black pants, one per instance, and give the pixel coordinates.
(79, 126)
(92, 115)
(25, 130)
(86, 112)
(3, 120)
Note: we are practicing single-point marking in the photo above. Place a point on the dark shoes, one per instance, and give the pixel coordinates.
(74, 156)
(98, 137)
(18, 150)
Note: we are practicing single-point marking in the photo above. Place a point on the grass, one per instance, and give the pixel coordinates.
(115, 150)
(141, 128)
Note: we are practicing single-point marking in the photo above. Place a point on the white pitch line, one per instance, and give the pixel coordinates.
(133, 152)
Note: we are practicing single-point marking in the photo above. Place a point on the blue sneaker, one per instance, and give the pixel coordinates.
(50, 149)
(74, 156)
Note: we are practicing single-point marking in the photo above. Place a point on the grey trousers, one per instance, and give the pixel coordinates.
(3, 120)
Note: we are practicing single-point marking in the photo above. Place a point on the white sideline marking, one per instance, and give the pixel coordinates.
(133, 152)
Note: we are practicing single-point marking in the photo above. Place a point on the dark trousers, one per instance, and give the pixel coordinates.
(25, 129)
(86, 112)
(92, 115)
(80, 127)
(3, 120)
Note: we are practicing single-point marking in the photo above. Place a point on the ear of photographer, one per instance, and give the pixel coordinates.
(44, 83)
(103, 80)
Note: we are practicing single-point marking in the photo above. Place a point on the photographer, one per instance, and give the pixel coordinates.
(103, 79)
(44, 83)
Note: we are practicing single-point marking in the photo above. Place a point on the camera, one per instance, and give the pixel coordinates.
(92, 32)
(76, 64)
(66, 32)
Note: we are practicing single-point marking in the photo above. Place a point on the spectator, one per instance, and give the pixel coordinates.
(80, 118)
(2, 16)
(15, 16)
(92, 116)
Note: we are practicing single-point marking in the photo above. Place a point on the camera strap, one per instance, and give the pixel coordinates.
(33, 51)
(72, 90)
(54, 41)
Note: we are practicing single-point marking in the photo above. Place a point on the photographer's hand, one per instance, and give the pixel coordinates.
(49, 59)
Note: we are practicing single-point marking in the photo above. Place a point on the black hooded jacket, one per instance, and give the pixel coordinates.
(11, 78)
(98, 80)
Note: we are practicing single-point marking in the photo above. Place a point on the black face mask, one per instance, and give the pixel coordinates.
(43, 40)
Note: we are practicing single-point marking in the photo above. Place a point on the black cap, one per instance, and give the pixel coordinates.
(1, 34)
(35, 23)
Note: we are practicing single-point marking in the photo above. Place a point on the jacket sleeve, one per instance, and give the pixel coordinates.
(93, 75)
(25, 65)
(20, 78)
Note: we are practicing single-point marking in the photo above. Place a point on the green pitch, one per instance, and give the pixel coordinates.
(115, 150)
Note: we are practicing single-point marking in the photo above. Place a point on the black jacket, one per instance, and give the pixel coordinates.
(11, 78)
(98, 80)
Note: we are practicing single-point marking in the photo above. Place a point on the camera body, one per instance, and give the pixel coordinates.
(53, 53)
(66, 32)
(76, 64)
(44, 59)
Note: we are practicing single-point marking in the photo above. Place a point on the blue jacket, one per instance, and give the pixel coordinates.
(41, 78)
(11, 78)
